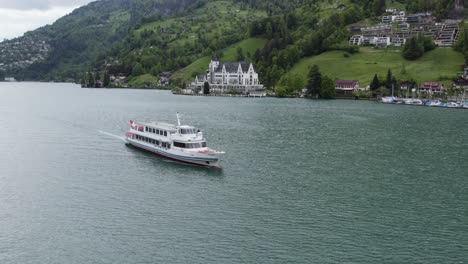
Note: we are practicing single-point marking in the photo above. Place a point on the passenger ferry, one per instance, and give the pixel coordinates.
(181, 143)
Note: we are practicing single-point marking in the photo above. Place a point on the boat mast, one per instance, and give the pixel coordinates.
(178, 118)
(463, 98)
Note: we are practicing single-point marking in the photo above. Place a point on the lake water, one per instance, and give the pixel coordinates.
(303, 181)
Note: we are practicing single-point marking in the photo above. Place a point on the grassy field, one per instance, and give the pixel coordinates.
(201, 65)
(441, 64)
(140, 80)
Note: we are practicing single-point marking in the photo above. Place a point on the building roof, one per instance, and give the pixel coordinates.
(346, 83)
(233, 66)
(460, 80)
(430, 85)
(200, 78)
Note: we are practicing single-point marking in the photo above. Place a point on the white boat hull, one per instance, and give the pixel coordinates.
(188, 157)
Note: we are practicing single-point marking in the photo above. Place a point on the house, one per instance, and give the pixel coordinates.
(413, 19)
(356, 40)
(431, 88)
(398, 19)
(461, 82)
(164, 79)
(340, 7)
(382, 42)
(228, 76)
(397, 42)
(390, 10)
(386, 19)
(369, 40)
(199, 82)
(346, 87)
(404, 86)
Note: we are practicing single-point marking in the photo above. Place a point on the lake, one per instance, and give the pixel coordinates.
(303, 181)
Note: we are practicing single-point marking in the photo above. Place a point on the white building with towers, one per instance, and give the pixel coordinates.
(225, 77)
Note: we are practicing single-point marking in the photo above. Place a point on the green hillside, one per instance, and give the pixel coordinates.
(249, 46)
(80, 37)
(170, 44)
(440, 64)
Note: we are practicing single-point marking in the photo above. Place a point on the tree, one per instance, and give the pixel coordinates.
(388, 80)
(206, 88)
(378, 7)
(375, 83)
(327, 89)
(314, 81)
(413, 49)
(106, 82)
(91, 82)
(83, 81)
(427, 43)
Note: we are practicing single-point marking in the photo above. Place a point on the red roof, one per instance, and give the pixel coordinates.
(430, 85)
(346, 83)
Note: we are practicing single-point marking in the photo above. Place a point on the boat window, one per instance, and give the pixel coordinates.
(187, 131)
(179, 144)
(154, 130)
(157, 131)
(165, 133)
(203, 144)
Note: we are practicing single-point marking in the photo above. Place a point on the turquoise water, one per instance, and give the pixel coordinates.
(303, 181)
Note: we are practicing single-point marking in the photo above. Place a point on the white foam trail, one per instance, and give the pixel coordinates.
(111, 135)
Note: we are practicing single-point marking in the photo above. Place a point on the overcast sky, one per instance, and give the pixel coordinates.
(19, 16)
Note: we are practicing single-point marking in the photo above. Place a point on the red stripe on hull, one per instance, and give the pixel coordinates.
(170, 158)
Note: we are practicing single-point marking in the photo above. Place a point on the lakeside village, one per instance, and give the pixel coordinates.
(395, 29)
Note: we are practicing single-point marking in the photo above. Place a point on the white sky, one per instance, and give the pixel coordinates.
(19, 16)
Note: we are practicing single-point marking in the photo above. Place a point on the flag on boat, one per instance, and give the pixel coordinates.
(132, 124)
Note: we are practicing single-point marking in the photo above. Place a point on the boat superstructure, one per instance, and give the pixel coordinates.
(182, 143)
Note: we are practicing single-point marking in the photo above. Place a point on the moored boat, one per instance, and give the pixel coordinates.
(181, 143)
(389, 99)
(454, 105)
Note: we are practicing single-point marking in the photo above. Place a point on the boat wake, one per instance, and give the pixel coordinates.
(111, 135)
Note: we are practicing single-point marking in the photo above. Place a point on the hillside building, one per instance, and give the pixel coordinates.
(224, 77)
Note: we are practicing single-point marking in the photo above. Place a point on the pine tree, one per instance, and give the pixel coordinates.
(388, 81)
(314, 81)
(375, 83)
(206, 88)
